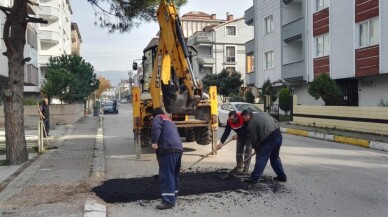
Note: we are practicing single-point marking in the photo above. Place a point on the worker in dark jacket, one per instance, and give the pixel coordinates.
(243, 146)
(166, 141)
(45, 116)
(266, 138)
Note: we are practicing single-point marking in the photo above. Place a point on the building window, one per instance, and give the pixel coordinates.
(269, 60)
(230, 69)
(231, 31)
(322, 45)
(269, 27)
(322, 4)
(230, 54)
(368, 33)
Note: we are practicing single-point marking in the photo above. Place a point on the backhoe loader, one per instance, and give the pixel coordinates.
(169, 83)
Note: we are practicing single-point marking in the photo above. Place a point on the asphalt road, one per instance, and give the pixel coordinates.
(325, 178)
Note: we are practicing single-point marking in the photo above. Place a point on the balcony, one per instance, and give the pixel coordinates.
(43, 59)
(250, 47)
(250, 78)
(30, 75)
(48, 12)
(292, 29)
(207, 59)
(199, 38)
(31, 9)
(32, 37)
(49, 37)
(250, 16)
(294, 72)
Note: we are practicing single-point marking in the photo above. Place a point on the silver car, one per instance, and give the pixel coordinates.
(224, 109)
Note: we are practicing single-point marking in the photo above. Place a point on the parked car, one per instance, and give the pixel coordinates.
(124, 101)
(224, 109)
(108, 108)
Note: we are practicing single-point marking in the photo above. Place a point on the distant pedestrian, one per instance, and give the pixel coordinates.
(266, 138)
(115, 106)
(243, 145)
(166, 141)
(45, 116)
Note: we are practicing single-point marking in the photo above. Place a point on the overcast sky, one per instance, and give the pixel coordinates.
(117, 51)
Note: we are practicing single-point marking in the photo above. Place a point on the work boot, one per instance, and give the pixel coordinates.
(163, 205)
(280, 179)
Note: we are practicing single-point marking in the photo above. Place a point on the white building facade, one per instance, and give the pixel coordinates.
(30, 48)
(223, 46)
(341, 38)
(54, 38)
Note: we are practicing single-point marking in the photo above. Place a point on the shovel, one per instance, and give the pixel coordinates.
(206, 155)
(239, 165)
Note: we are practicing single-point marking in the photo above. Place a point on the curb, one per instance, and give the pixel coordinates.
(99, 153)
(92, 208)
(381, 146)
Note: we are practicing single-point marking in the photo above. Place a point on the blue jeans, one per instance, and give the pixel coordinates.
(269, 150)
(169, 169)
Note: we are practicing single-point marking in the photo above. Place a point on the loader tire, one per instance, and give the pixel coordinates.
(190, 137)
(203, 135)
(145, 137)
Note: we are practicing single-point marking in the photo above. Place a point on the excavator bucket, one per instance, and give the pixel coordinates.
(184, 104)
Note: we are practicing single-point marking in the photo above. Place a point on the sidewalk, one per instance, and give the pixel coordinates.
(377, 142)
(56, 182)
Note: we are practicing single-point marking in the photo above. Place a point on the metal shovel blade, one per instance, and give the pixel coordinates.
(239, 165)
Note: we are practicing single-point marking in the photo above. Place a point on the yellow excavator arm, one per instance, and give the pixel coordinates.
(172, 66)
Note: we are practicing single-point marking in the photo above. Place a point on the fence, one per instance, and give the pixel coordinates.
(360, 119)
(59, 114)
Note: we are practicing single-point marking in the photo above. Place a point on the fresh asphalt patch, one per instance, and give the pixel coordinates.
(191, 183)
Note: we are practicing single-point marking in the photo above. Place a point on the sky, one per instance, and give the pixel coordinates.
(115, 52)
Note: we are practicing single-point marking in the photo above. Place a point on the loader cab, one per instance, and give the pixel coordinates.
(149, 55)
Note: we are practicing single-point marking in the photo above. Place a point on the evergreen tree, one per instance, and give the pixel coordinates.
(285, 100)
(228, 83)
(70, 78)
(324, 87)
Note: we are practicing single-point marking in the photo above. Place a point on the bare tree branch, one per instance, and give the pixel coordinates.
(6, 10)
(36, 20)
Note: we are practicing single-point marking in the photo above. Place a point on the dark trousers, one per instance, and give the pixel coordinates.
(268, 150)
(46, 122)
(243, 150)
(169, 168)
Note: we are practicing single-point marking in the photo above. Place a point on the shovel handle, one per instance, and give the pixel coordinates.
(206, 155)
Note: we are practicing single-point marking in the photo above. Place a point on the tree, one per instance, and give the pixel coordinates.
(249, 96)
(324, 87)
(104, 86)
(124, 15)
(14, 36)
(228, 83)
(69, 78)
(285, 99)
(267, 89)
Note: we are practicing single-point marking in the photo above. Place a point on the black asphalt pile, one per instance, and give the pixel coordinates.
(191, 183)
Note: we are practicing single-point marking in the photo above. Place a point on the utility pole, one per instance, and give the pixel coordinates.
(130, 74)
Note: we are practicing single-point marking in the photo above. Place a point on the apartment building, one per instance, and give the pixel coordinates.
(54, 38)
(76, 39)
(197, 21)
(30, 49)
(194, 21)
(341, 38)
(222, 46)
